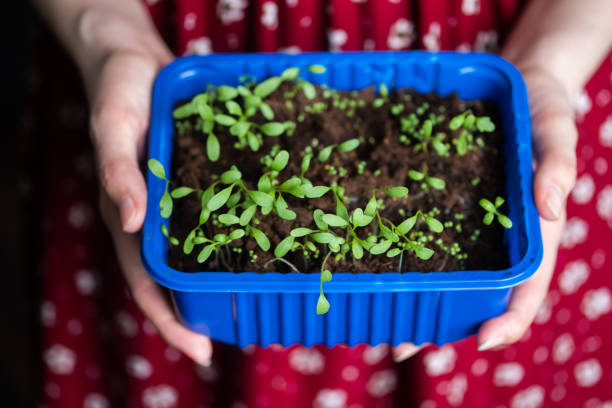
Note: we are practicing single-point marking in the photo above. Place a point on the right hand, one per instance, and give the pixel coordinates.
(119, 89)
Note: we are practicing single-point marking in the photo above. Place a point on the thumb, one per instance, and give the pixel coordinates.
(555, 137)
(120, 116)
(119, 172)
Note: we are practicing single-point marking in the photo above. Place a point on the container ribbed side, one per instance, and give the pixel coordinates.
(373, 318)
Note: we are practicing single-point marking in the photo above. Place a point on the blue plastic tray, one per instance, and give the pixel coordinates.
(251, 308)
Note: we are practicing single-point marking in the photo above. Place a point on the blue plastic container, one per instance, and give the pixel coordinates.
(252, 308)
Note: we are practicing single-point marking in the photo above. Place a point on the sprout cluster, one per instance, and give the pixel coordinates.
(238, 207)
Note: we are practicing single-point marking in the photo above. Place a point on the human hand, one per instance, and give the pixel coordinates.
(120, 94)
(554, 141)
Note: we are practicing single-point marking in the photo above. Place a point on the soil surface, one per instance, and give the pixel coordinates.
(387, 162)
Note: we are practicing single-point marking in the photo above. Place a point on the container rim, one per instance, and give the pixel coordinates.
(274, 282)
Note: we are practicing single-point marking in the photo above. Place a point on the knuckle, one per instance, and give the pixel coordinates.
(110, 173)
(114, 119)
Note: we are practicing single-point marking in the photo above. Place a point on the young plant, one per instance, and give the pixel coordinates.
(307, 88)
(202, 106)
(428, 181)
(468, 124)
(165, 204)
(383, 96)
(492, 212)
(344, 147)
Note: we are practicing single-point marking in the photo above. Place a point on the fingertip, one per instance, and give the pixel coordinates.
(404, 351)
(202, 353)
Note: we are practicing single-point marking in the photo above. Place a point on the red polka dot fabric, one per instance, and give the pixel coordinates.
(99, 351)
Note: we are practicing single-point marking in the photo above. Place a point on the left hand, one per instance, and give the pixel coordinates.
(554, 141)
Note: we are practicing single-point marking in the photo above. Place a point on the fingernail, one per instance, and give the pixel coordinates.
(491, 343)
(405, 354)
(554, 200)
(126, 210)
(203, 354)
(203, 358)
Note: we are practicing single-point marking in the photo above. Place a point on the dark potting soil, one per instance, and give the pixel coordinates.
(387, 162)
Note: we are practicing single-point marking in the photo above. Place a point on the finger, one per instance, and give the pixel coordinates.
(147, 294)
(555, 137)
(406, 350)
(526, 298)
(120, 115)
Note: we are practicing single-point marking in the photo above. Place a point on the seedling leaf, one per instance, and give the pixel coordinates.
(316, 191)
(407, 225)
(434, 225)
(157, 169)
(228, 219)
(247, 215)
(260, 238)
(231, 176)
(504, 221)
(317, 69)
(213, 148)
(236, 234)
(436, 183)
(423, 253)
(317, 215)
(290, 73)
(309, 90)
(322, 305)
(348, 145)
(268, 86)
(381, 247)
(456, 122)
(262, 199)
(224, 120)
(283, 247)
(394, 252)
(266, 111)
(399, 192)
(219, 199)
(300, 232)
(272, 128)
(181, 192)
(323, 237)
(325, 153)
(334, 220)
(357, 249)
(484, 124)
(487, 205)
(280, 161)
(165, 205)
(233, 108)
(205, 253)
(225, 93)
(415, 175)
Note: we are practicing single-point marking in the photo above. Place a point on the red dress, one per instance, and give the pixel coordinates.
(99, 351)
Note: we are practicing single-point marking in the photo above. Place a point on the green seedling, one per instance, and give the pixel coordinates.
(427, 180)
(492, 212)
(468, 124)
(383, 96)
(344, 147)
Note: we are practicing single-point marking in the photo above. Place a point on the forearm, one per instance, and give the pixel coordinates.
(568, 38)
(93, 29)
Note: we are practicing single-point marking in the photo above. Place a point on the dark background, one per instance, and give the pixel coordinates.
(19, 357)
